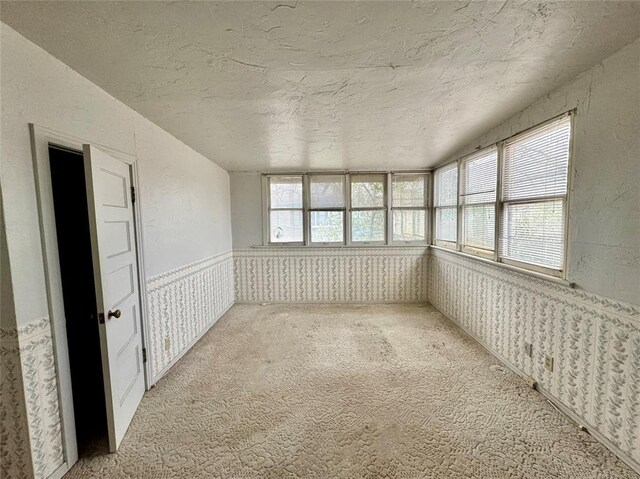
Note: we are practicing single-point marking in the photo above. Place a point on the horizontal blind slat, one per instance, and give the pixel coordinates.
(478, 177)
(326, 191)
(446, 185)
(535, 167)
(535, 163)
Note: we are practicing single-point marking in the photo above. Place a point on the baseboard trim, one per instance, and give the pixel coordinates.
(424, 301)
(629, 461)
(60, 471)
(187, 348)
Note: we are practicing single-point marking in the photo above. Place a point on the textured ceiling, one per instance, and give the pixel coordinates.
(306, 85)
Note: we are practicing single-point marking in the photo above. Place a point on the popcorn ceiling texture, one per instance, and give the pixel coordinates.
(347, 391)
(290, 85)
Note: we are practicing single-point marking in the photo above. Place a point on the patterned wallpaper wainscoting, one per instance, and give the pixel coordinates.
(595, 342)
(15, 453)
(183, 304)
(357, 274)
(29, 351)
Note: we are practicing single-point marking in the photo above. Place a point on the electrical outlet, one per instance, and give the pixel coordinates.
(167, 343)
(528, 349)
(548, 363)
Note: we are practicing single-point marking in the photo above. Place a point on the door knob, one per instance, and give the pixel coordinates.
(114, 314)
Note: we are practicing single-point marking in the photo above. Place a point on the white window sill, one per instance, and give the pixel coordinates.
(535, 274)
(342, 246)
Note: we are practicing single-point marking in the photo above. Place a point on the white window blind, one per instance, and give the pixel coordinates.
(478, 177)
(327, 205)
(534, 192)
(326, 191)
(368, 208)
(409, 207)
(445, 202)
(285, 209)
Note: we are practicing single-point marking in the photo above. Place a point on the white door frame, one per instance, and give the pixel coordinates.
(40, 139)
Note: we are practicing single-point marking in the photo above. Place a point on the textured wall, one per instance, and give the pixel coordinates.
(595, 341)
(183, 304)
(30, 423)
(184, 196)
(15, 452)
(604, 212)
(190, 223)
(40, 384)
(185, 201)
(331, 274)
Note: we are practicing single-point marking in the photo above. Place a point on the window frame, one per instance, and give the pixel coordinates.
(347, 239)
(266, 199)
(496, 256)
(474, 250)
(309, 210)
(558, 273)
(384, 208)
(426, 208)
(453, 245)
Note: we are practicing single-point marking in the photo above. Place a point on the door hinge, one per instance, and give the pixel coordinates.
(133, 194)
(144, 355)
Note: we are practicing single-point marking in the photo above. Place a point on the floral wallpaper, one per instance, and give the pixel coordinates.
(28, 362)
(15, 451)
(358, 274)
(183, 304)
(595, 342)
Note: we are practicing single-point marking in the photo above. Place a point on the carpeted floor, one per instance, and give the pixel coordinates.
(351, 391)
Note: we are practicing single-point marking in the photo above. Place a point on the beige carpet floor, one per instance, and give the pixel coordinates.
(377, 391)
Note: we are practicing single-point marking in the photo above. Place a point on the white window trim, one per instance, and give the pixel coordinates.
(426, 208)
(495, 256)
(474, 250)
(384, 208)
(266, 217)
(388, 230)
(309, 210)
(453, 245)
(557, 273)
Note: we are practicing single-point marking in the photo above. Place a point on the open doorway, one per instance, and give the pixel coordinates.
(79, 297)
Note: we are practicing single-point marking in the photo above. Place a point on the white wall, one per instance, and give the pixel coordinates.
(184, 196)
(246, 205)
(185, 201)
(604, 213)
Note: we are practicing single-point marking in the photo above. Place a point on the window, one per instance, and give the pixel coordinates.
(534, 195)
(446, 205)
(346, 208)
(285, 209)
(409, 207)
(326, 208)
(530, 172)
(368, 208)
(478, 177)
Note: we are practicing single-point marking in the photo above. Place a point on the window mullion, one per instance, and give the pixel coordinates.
(347, 215)
(458, 210)
(499, 208)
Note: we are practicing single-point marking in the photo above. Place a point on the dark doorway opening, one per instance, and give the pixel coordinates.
(78, 291)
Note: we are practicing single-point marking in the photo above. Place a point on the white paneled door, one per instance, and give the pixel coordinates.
(111, 217)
